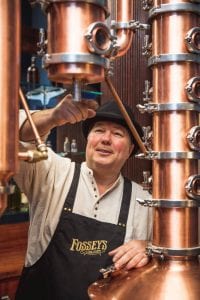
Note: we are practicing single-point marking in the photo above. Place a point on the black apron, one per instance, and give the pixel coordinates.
(78, 249)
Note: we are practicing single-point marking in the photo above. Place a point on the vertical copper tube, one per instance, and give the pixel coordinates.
(173, 227)
(9, 87)
(124, 13)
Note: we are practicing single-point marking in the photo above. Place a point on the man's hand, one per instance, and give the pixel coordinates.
(69, 111)
(66, 112)
(130, 255)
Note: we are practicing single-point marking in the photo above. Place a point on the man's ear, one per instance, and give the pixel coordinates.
(132, 146)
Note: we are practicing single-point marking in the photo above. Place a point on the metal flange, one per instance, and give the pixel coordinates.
(169, 155)
(162, 251)
(192, 88)
(45, 3)
(173, 57)
(176, 7)
(168, 203)
(63, 57)
(193, 138)
(155, 107)
(192, 187)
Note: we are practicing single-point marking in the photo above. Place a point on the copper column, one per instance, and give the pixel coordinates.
(174, 271)
(9, 87)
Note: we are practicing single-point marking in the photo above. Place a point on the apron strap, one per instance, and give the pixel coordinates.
(127, 190)
(69, 203)
(123, 216)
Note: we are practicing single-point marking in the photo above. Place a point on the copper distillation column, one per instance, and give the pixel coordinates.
(174, 271)
(9, 85)
(80, 41)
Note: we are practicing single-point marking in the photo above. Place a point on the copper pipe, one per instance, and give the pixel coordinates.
(124, 13)
(125, 114)
(28, 114)
(9, 84)
(33, 155)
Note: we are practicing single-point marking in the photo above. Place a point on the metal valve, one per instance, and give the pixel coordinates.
(147, 183)
(147, 93)
(147, 47)
(192, 88)
(192, 187)
(42, 44)
(147, 4)
(193, 138)
(147, 137)
(192, 40)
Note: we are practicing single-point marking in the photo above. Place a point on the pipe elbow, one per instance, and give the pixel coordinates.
(124, 41)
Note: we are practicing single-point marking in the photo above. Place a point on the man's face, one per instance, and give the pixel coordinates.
(108, 146)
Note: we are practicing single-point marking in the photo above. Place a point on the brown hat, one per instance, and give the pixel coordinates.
(111, 112)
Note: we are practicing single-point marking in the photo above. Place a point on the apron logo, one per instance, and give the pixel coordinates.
(89, 247)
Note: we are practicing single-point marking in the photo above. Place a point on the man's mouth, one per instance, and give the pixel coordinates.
(104, 151)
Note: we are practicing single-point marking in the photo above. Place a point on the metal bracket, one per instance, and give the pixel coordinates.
(63, 57)
(173, 57)
(163, 8)
(147, 4)
(162, 251)
(155, 107)
(132, 25)
(106, 272)
(169, 155)
(168, 203)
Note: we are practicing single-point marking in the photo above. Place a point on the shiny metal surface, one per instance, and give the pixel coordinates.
(67, 23)
(159, 280)
(177, 276)
(9, 85)
(124, 13)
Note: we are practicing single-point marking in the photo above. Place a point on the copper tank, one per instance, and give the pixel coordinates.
(9, 86)
(68, 55)
(80, 40)
(174, 271)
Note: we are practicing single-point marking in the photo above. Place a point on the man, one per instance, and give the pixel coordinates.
(82, 218)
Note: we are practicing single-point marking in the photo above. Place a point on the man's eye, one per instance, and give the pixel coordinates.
(98, 130)
(118, 133)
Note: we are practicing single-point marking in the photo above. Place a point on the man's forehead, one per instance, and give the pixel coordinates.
(109, 123)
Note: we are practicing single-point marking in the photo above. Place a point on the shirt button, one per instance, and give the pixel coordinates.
(96, 208)
(95, 196)
(95, 216)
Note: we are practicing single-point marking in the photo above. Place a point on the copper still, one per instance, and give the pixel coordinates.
(80, 47)
(174, 271)
(80, 40)
(9, 85)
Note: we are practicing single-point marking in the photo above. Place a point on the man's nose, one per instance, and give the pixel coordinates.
(106, 136)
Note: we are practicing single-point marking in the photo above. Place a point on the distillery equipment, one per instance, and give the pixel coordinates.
(10, 60)
(82, 41)
(78, 49)
(173, 56)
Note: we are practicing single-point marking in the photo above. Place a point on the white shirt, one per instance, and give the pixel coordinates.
(46, 184)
